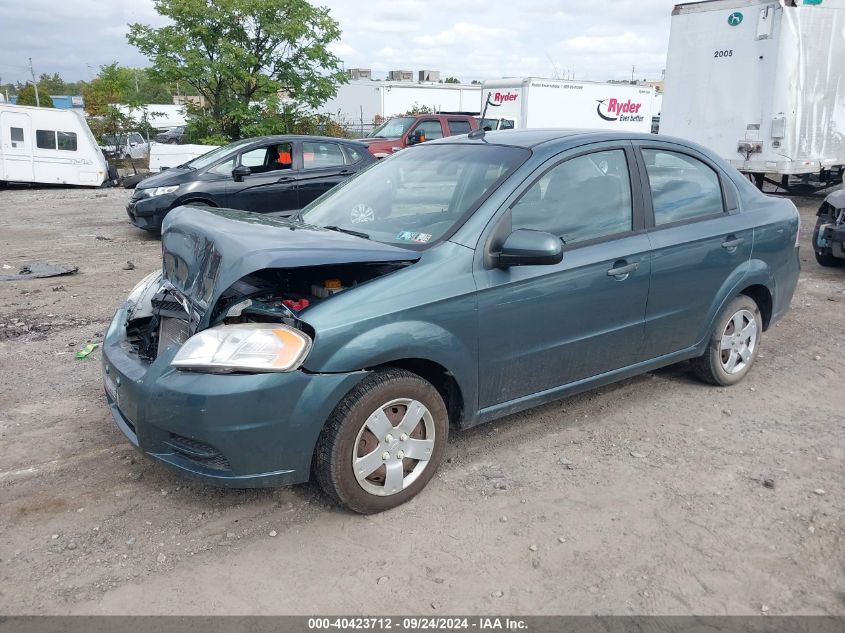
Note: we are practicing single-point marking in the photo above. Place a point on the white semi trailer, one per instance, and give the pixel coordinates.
(533, 102)
(762, 83)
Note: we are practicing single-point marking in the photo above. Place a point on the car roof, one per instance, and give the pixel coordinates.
(529, 138)
(286, 138)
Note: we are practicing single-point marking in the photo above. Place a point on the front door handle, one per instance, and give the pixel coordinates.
(731, 242)
(621, 272)
(286, 179)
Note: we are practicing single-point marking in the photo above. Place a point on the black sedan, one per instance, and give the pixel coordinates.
(270, 174)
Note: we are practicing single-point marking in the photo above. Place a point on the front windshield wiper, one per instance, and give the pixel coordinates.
(184, 166)
(349, 231)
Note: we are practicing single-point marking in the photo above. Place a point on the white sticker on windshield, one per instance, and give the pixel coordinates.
(410, 236)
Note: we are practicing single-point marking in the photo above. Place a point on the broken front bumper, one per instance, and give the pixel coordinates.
(148, 212)
(235, 430)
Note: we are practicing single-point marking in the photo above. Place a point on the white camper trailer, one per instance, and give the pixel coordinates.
(761, 83)
(532, 102)
(51, 146)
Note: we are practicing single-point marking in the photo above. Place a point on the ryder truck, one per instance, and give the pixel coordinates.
(532, 102)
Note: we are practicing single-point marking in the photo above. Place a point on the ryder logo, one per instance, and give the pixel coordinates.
(615, 110)
(502, 97)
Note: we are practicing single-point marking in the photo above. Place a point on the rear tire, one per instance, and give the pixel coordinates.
(363, 456)
(733, 344)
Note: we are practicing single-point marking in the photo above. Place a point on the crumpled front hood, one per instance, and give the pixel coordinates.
(205, 251)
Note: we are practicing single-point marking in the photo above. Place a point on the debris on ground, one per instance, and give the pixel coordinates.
(37, 270)
(86, 351)
(129, 266)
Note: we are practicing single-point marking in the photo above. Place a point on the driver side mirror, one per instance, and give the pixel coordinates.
(526, 247)
(241, 171)
(418, 136)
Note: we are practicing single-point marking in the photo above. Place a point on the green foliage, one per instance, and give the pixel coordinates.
(26, 96)
(451, 80)
(237, 53)
(118, 84)
(55, 85)
(263, 119)
(475, 82)
(418, 109)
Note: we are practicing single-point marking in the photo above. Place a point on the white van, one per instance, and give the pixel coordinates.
(51, 146)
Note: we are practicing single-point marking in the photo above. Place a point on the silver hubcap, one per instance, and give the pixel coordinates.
(362, 213)
(393, 447)
(739, 340)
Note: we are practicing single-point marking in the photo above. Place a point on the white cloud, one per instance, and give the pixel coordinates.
(469, 39)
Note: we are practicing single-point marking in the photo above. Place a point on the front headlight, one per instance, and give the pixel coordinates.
(139, 290)
(158, 191)
(249, 347)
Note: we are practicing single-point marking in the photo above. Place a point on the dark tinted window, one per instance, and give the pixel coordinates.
(317, 155)
(16, 134)
(682, 187)
(459, 127)
(352, 155)
(581, 199)
(67, 141)
(45, 139)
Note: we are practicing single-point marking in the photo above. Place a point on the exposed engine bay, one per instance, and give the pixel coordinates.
(162, 316)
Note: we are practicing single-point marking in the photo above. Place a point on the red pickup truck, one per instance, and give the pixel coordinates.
(403, 131)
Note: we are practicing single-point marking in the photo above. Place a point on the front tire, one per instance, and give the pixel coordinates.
(823, 255)
(733, 344)
(383, 442)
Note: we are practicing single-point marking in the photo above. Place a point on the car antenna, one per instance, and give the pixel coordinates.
(479, 133)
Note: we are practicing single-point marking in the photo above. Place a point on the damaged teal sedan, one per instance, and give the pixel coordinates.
(456, 282)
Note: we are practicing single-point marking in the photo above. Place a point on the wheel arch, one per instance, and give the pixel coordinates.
(444, 358)
(754, 279)
(762, 296)
(194, 197)
(439, 376)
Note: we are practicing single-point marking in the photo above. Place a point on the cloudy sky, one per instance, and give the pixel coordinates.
(469, 39)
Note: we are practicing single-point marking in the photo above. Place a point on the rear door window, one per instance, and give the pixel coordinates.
(682, 187)
(319, 155)
(458, 126)
(352, 155)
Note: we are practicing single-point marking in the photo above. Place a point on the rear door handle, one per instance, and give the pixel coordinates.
(732, 242)
(621, 272)
(286, 179)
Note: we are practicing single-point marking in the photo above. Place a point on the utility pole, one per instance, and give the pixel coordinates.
(34, 84)
(632, 73)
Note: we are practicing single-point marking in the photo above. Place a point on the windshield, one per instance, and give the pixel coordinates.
(210, 157)
(392, 128)
(418, 196)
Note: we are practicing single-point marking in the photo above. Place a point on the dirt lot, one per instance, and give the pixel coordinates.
(642, 497)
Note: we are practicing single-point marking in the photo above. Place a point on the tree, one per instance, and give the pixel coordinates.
(130, 86)
(26, 96)
(237, 53)
(451, 80)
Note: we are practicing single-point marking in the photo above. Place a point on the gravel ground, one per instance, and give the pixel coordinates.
(643, 497)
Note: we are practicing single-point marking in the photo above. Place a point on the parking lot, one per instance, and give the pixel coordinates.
(644, 497)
